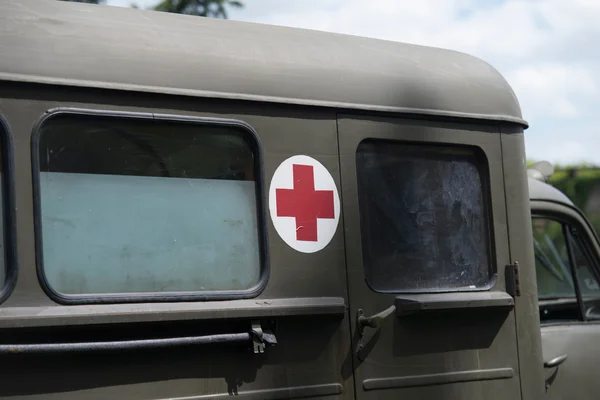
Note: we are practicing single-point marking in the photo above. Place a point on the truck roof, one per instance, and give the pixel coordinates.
(539, 190)
(74, 44)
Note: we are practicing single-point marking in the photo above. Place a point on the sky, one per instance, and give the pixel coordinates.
(548, 51)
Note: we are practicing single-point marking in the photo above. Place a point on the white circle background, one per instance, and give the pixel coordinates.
(283, 178)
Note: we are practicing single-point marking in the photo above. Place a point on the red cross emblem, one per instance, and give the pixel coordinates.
(304, 204)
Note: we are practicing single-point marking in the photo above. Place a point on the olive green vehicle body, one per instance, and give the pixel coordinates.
(570, 328)
(297, 92)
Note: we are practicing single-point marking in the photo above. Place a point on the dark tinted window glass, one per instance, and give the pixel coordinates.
(423, 217)
(135, 205)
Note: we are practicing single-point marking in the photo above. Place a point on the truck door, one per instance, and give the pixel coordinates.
(426, 248)
(567, 261)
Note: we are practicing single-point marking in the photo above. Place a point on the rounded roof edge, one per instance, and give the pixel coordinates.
(113, 47)
(539, 190)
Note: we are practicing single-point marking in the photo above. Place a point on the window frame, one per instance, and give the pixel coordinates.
(484, 175)
(572, 221)
(11, 265)
(149, 297)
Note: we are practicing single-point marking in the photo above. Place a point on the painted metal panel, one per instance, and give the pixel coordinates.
(456, 351)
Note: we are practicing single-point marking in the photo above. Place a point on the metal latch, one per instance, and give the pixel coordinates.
(513, 282)
(261, 337)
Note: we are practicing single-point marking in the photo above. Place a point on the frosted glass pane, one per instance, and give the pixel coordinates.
(124, 234)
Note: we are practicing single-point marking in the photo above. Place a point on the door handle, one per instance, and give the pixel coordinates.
(555, 362)
(374, 321)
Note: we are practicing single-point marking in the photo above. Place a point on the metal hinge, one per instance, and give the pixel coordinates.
(261, 337)
(513, 282)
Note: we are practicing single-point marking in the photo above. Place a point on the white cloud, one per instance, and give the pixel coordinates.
(570, 145)
(554, 89)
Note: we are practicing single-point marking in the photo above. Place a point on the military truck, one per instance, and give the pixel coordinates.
(567, 256)
(197, 208)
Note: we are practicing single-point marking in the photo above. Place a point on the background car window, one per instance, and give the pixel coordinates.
(588, 282)
(553, 269)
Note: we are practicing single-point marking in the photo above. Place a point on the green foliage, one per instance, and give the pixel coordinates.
(576, 183)
(87, 1)
(203, 8)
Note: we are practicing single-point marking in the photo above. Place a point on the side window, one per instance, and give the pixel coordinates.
(560, 252)
(148, 207)
(424, 217)
(3, 208)
(552, 265)
(588, 280)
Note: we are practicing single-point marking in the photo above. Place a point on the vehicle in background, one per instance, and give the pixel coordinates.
(567, 260)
